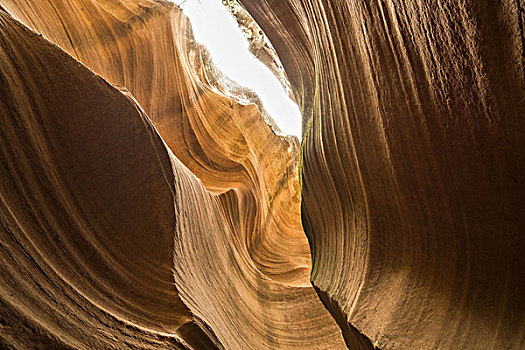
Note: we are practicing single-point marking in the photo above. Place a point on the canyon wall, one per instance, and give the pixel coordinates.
(413, 164)
(149, 202)
(215, 258)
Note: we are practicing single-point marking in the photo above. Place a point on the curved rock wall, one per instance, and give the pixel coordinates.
(84, 188)
(413, 164)
(151, 53)
(234, 250)
(160, 210)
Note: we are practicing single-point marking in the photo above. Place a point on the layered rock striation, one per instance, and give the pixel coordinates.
(149, 202)
(217, 258)
(413, 164)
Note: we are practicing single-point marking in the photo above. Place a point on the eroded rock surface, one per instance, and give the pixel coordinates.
(87, 210)
(413, 164)
(230, 245)
(146, 201)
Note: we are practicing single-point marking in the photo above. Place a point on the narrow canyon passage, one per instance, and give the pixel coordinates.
(238, 251)
(149, 202)
(240, 50)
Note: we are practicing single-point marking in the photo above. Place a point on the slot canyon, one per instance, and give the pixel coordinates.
(148, 201)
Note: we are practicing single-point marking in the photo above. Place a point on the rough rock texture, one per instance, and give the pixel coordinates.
(116, 250)
(413, 165)
(146, 201)
(84, 188)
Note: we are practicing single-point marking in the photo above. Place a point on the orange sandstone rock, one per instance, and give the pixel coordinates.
(236, 249)
(413, 165)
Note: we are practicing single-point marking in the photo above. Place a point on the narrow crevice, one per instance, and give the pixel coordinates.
(354, 339)
(199, 336)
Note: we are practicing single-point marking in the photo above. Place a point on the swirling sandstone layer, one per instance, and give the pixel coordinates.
(168, 216)
(109, 240)
(228, 145)
(413, 165)
(84, 188)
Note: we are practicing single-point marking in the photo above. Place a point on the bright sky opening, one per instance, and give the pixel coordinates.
(215, 28)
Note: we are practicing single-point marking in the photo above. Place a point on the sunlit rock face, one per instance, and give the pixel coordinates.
(146, 202)
(87, 208)
(413, 165)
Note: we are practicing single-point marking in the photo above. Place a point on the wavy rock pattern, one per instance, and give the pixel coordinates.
(152, 55)
(161, 210)
(413, 165)
(233, 251)
(84, 188)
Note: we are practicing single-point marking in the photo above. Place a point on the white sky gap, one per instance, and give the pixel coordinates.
(215, 28)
